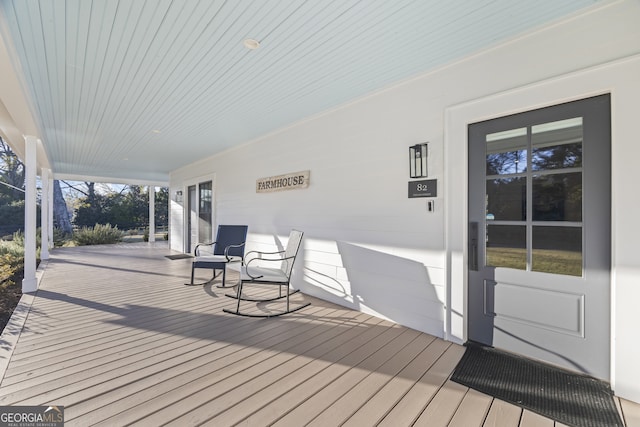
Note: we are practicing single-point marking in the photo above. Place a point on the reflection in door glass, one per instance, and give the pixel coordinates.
(508, 162)
(557, 250)
(507, 152)
(506, 246)
(557, 145)
(557, 197)
(205, 213)
(507, 199)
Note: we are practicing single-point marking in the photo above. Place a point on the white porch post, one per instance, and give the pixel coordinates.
(44, 215)
(29, 283)
(50, 209)
(152, 214)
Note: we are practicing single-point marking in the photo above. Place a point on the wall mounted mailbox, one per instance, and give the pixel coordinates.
(423, 188)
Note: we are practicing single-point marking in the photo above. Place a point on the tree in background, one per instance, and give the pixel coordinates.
(162, 206)
(11, 172)
(93, 203)
(61, 216)
(11, 191)
(12, 195)
(127, 208)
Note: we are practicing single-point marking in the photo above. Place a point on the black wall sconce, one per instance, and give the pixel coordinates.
(179, 196)
(418, 160)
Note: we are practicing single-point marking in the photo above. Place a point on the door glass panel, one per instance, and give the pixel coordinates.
(506, 246)
(193, 211)
(558, 157)
(507, 199)
(557, 250)
(507, 152)
(557, 145)
(555, 193)
(557, 197)
(205, 212)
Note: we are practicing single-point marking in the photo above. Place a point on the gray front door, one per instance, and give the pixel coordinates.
(539, 234)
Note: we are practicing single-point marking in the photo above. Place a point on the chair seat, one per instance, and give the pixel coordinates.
(266, 274)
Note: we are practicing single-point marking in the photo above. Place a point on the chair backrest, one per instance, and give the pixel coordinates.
(295, 238)
(230, 235)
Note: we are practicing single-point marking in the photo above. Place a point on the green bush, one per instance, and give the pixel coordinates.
(60, 237)
(11, 261)
(12, 248)
(10, 264)
(97, 235)
(18, 238)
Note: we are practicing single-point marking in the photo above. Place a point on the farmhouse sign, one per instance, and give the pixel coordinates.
(290, 181)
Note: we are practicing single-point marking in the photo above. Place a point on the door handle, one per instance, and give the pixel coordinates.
(473, 246)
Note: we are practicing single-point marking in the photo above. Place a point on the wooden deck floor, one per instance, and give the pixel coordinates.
(115, 337)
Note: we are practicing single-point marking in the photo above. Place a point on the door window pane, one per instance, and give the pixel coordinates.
(507, 199)
(205, 213)
(507, 152)
(506, 246)
(557, 197)
(557, 145)
(557, 250)
(558, 157)
(508, 162)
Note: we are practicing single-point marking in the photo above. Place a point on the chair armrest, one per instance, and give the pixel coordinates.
(226, 250)
(195, 250)
(265, 259)
(260, 253)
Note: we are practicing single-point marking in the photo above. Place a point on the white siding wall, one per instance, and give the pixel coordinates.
(370, 247)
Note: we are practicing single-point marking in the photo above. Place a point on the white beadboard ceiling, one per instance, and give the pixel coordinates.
(132, 89)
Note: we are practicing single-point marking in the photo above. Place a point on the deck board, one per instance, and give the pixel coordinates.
(413, 403)
(358, 396)
(630, 413)
(116, 337)
(378, 405)
(503, 414)
(531, 419)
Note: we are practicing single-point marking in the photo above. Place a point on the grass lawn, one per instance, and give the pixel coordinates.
(544, 260)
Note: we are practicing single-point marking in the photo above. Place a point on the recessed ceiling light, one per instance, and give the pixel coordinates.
(251, 44)
(155, 131)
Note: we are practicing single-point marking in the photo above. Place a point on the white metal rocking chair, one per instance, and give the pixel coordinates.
(279, 276)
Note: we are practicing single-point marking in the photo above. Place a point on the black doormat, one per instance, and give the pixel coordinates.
(179, 256)
(572, 399)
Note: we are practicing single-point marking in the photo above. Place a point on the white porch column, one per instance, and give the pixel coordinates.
(152, 214)
(44, 215)
(29, 283)
(50, 210)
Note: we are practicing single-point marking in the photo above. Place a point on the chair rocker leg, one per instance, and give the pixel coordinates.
(203, 283)
(281, 313)
(262, 299)
(224, 281)
(239, 298)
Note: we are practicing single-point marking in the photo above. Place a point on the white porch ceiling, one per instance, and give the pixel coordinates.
(132, 89)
